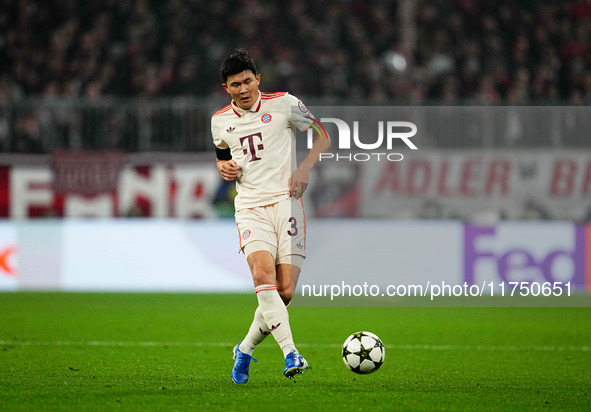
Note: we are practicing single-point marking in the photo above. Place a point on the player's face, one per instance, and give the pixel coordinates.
(244, 88)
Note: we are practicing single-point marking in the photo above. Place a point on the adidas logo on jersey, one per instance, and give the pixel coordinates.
(230, 129)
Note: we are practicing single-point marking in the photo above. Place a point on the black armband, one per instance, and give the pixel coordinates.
(223, 154)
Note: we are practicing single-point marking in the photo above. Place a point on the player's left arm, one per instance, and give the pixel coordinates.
(301, 177)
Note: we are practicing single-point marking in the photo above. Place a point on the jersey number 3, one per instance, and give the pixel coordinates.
(293, 231)
(253, 143)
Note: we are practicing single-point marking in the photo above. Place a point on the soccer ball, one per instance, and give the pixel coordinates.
(363, 352)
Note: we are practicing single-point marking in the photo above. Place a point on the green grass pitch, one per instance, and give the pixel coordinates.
(166, 352)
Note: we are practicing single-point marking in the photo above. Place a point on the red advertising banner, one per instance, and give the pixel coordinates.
(154, 190)
(467, 184)
(479, 186)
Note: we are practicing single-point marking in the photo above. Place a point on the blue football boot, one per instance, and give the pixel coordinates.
(294, 364)
(241, 365)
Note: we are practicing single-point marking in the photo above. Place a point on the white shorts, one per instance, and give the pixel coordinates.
(281, 226)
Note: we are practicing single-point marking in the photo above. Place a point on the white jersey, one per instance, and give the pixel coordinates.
(262, 143)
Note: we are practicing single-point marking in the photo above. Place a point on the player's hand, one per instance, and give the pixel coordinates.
(298, 183)
(228, 169)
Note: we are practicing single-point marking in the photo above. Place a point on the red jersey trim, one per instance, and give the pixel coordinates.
(235, 111)
(267, 96)
(224, 110)
(264, 96)
(239, 115)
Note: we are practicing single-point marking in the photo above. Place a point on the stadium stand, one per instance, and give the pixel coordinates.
(491, 52)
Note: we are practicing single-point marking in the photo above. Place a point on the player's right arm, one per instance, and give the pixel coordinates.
(227, 167)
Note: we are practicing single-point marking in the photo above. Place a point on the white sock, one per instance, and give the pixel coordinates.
(276, 316)
(256, 334)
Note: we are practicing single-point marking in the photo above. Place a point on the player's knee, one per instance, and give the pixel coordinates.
(263, 277)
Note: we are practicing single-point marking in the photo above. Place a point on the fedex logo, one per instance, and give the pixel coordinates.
(525, 253)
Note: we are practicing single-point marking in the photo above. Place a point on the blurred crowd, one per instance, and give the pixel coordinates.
(482, 52)
(503, 51)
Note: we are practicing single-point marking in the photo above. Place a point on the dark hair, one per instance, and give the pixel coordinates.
(238, 62)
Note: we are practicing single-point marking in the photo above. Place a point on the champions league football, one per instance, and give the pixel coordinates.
(363, 352)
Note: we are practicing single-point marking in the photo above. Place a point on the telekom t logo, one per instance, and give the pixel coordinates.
(252, 146)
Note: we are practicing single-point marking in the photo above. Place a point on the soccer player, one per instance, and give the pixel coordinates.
(254, 138)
